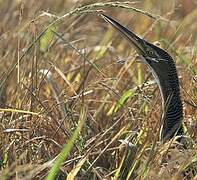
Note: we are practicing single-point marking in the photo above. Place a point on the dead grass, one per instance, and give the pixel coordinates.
(59, 57)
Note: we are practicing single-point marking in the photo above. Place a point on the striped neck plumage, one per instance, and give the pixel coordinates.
(171, 102)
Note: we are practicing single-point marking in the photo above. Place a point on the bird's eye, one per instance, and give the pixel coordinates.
(150, 52)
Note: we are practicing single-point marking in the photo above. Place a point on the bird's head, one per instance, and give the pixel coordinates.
(155, 57)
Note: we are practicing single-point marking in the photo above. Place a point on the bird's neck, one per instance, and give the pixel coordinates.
(172, 105)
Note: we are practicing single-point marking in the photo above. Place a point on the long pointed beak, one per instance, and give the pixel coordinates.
(133, 39)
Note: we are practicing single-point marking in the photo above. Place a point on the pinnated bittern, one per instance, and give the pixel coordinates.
(164, 71)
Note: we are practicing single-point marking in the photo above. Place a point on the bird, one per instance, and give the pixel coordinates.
(163, 69)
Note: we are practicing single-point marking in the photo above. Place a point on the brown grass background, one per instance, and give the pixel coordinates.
(29, 140)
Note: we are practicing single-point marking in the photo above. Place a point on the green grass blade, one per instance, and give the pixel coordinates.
(126, 95)
(67, 148)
